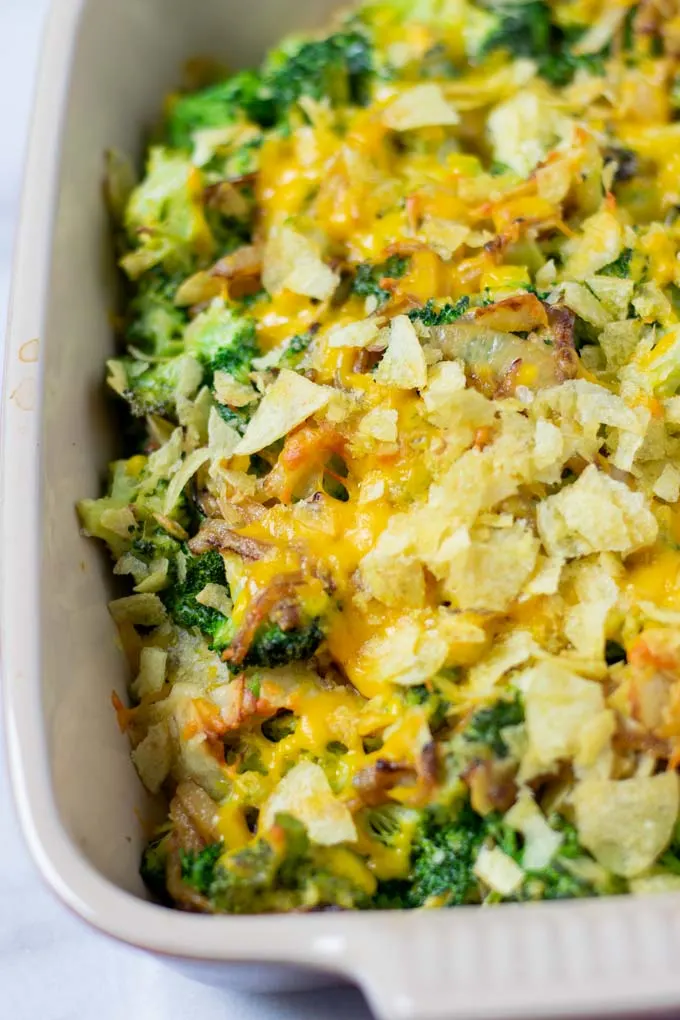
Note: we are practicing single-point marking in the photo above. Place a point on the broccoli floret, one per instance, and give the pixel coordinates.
(273, 646)
(152, 388)
(619, 267)
(155, 325)
(369, 275)
(198, 869)
(486, 725)
(431, 315)
(277, 872)
(560, 67)
(338, 68)
(180, 598)
(154, 543)
(222, 340)
(522, 28)
(164, 217)
(526, 30)
(445, 850)
(120, 492)
(153, 866)
(445, 853)
(442, 861)
(218, 105)
(237, 358)
(128, 490)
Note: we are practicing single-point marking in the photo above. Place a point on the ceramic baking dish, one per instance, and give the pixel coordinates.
(104, 70)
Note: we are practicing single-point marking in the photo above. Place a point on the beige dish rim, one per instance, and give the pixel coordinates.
(576, 958)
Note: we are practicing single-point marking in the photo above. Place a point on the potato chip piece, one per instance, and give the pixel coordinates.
(354, 334)
(215, 596)
(558, 704)
(612, 292)
(403, 365)
(627, 823)
(513, 650)
(395, 581)
(153, 757)
(229, 390)
(379, 424)
(647, 885)
(652, 305)
(546, 578)
(498, 871)
(600, 243)
(408, 652)
(523, 129)
(183, 476)
(595, 514)
(121, 521)
(444, 235)
(582, 301)
(489, 571)
(548, 445)
(305, 793)
(372, 487)
(618, 340)
(418, 107)
(541, 843)
(672, 410)
(292, 262)
(553, 182)
(144, 610)
(157, 578)
(287, 403)
(222, 437)
(596, 405)
(151, 675)
(597, 592)
(667, 485)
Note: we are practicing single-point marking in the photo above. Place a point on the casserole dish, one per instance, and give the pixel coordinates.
(103, 74)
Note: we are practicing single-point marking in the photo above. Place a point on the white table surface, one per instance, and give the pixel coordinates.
(52, 966)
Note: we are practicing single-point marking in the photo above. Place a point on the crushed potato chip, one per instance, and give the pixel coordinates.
(291, 262)
(595, 514)
(627, 823)
(558, 704)
(229, 391)
(498, 871)
(354, 334)
(305, 793)
(403, 364)
(287, 403)
(418, 107)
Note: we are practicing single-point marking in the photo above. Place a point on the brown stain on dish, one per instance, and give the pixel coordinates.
(28, 352)
(24, 395)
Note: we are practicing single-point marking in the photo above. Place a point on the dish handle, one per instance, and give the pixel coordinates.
(552, 959)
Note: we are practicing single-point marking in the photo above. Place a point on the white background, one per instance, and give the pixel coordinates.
(52, 966)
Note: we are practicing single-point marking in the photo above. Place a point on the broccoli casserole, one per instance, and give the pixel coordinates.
(398, 521)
